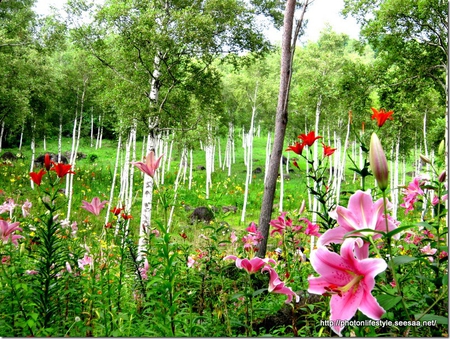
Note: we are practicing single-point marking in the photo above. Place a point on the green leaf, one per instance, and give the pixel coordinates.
(434, 318)
(387, 301)
(258, 292)
(403, 259)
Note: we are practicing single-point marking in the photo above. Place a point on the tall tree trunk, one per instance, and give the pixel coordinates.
(1, 134)
(287, 53)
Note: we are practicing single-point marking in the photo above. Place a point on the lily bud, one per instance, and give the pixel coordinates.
(378, 162)
(442, 176)
(425, 159)
(441, 147)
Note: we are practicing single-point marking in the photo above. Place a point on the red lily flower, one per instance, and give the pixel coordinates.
(327, 150)
(294, 162)
(116, 210)
(37, 177)
(308, 139)
(62, 169)
(381, 116)
(47, 162)
(126, 216)
(297, 148)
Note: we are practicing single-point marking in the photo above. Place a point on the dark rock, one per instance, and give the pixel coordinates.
(201, 168)
(257, 170)
(8, 156)
(39, 161)
(226, 209)
(201, 214)
(80, 155)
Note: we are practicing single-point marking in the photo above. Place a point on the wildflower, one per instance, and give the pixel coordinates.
(428, 251)
(144, 270)
(116, 210)
(327, 150)
(294, 162)
(62, 169)
(252, 228)
(85, 261)
(6, 260)
(412, 192)
(277, 286)
(8, 206)
(6, 232)
(361, 213)
(308, 139)
(443, 255)
(47, 162)
(250, 241)
(280, 223)
(382, 116)
(190, 262)
(95, 206)
(68, 267)
(311, 229)
(150, 166)
(250, 265)
(348, 280)
(183, 235)
(37, 177)
(378, 162)
(233, 237)
(126, 216)
(31, 272)
(26, 208)
(297, 148)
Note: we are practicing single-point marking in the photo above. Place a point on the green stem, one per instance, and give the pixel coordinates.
(391, 261)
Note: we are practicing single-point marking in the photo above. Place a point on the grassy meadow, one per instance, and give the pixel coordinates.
(82, 277)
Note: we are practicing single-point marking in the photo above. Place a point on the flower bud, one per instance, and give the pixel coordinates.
(442, 176)
(441, 147)
(378, 162)
(425, 159)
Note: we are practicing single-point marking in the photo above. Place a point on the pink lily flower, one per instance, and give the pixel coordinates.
(250, 241)
(250, 265)
(311, 229)
(26, 208)
(85, 261)
(361, 213)
(144, 270)
(190, 262)
(280, 224)
(412, 192)
(428, 251)
(348, 280)
(95, 206)
(233, 237)
(6, 231)
(150, 166)
(277, 286)
(8, 206)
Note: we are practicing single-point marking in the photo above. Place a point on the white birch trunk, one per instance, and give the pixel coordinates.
(60, 139)
(177, 181)
(2, 131)
(21, 137)
(113, 183)
(281, 185)
(191, 164)
(341, 169)
(92, 127)
(33, 149)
